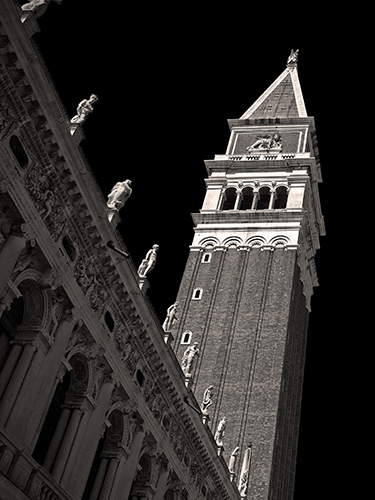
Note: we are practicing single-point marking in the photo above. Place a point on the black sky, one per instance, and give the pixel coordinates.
(167, 85)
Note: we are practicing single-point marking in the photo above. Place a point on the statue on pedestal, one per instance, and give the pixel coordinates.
(220, 432)
(85, 107)
(148, 263)
(188, 358)
(38, 6)
(119, 195)
(245, 471)
(171, 317)
(207, 401)
(233, 460)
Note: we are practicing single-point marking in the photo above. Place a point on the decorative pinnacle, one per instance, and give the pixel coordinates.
(293, 58)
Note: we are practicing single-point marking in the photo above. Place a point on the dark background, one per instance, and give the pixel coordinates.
(167, 83)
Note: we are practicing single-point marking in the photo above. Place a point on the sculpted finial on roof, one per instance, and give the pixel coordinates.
(293, 58)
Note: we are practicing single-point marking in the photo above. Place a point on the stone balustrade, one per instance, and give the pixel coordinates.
(23, 473)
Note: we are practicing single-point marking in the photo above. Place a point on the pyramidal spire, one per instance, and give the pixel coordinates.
(283, 99)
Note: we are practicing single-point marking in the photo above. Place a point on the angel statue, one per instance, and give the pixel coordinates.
(293, 58)
(119, 195)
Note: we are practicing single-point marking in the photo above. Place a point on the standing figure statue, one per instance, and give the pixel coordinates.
(171, 317)
(207, 401)
(37, 6)
(119, 195)
(293, 58)
(233, 460)
(188, 358)
(245, 471)
(85, 107)
(148, 263)
(220, 433)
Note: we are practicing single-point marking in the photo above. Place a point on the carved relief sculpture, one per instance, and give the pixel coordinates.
(188, 358)
(266, 142)
(171, 317)
(148, 263)
(119, 195)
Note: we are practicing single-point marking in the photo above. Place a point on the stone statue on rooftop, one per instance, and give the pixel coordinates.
(119, 195)
(85, 107)
(171, 317)
(233, 460)
(293, 58)
(38, 6)
(245, 471)
(220, 432)
(207, 401)
(148, 263)
(188, 358)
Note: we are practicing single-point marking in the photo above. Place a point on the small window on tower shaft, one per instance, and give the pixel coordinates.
(186, 338)
(206, 258)
(197, 294)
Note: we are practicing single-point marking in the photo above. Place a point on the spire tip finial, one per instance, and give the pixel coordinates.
(293, 58)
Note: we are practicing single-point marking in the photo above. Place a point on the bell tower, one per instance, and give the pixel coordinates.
(246, 291)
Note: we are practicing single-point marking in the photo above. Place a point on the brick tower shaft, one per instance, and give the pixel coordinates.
(246, 291)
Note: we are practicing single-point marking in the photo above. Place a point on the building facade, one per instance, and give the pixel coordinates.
(93, 402)
(246, 292)
(98, 401)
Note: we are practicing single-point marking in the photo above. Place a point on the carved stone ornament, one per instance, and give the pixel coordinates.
(87, 279)
(43, 193)
(266, 142)
(7, 118)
